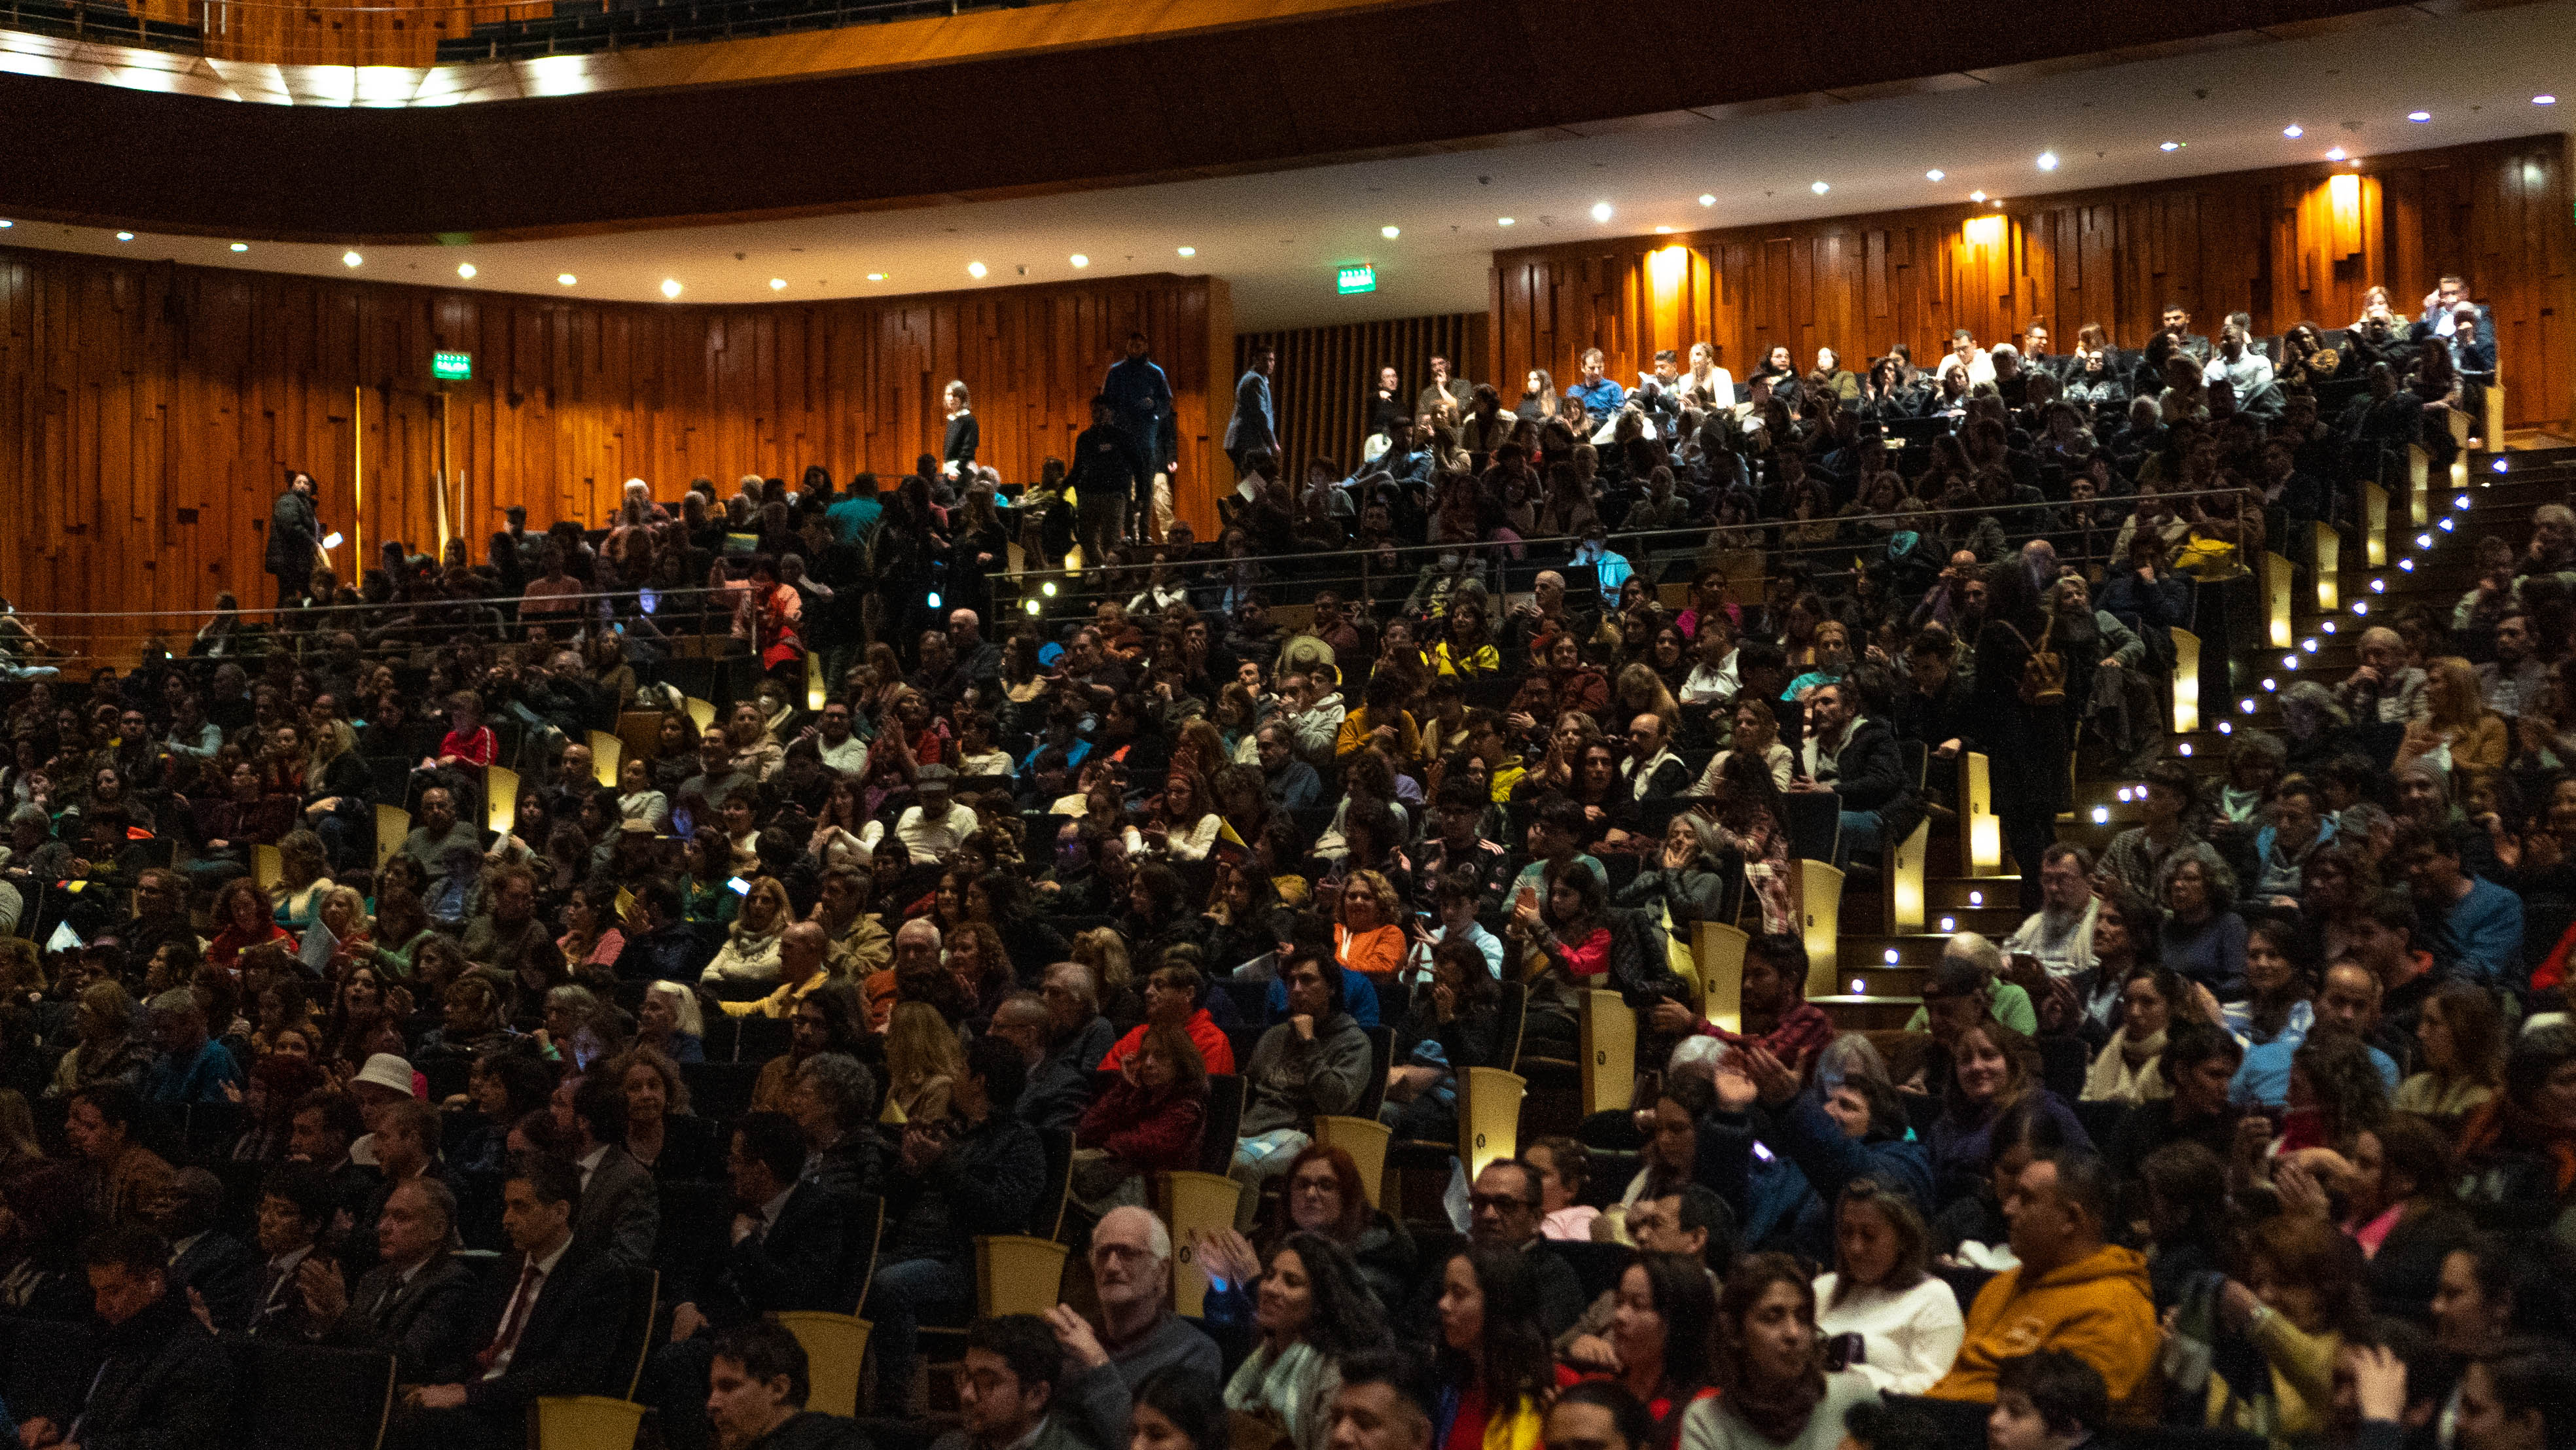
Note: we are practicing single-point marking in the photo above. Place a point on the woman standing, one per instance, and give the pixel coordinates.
(1312, 1312)
(1907, 1322)
(2025, 735)
(2462, 1035)
(964, 436)
(1774, 1393)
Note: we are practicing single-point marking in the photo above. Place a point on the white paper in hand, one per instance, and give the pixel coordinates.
(318, 945)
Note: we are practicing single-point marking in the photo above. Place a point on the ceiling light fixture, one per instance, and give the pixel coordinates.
(876, 276)
(2544, 99)
(1079, 261)
(671, 287)
(347, 259)
(5, 225)
(1707, 199)
(1976, 196)
(566, 278)
(975, 269)
(2294, 130)
(241, 246)
(1189, 251)
(1390, 233)
(1601, 211)
(1935, 174)
(1502, 221)
(2335, 155)
(465, 270)
(1818, 187)
(1663, 231)
(2419, 117)
(2048, 161)
(2170, 146)
(125, 236)
(777, 284)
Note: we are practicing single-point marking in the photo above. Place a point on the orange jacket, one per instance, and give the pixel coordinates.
(2096, 1309)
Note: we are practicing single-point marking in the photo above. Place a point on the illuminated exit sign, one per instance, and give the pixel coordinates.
(1362, 278)
(458, 366)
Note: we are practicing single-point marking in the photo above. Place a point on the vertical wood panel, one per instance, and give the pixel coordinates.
(1327, 376)
(148, 412)
(2267, 242)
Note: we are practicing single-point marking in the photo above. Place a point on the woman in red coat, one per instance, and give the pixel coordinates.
(1147, 1122)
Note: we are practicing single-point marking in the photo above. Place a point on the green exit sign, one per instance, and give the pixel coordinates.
(454, 365)
(1362, 278)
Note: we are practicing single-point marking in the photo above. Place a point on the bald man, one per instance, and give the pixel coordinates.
(916, 948)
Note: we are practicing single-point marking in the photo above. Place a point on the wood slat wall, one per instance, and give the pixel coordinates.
(148, 412)
(2288, 245)
(1328, 375)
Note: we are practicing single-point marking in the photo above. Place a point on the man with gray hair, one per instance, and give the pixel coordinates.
(1131, 1265)
(191, 1067)
(1058, 1090)
(832, 1096)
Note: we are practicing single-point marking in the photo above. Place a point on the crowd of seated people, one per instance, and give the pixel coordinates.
(2264, 1119)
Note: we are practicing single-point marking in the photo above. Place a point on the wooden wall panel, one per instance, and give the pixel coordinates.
(148, 412)
(1327, 376)
(2288, 245)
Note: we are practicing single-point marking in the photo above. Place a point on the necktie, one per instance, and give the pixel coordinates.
(497, 1356)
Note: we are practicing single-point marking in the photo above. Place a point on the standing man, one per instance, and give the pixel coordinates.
(1446, 398)
(1254, 428)
(1140, 406)
(1107, 476)
(294, 538)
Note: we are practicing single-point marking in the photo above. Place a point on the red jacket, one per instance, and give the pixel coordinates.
(1212, 1043)
(1151, 1131)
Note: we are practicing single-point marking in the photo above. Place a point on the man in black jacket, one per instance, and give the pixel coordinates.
(756, 1394)
(1857, 759)
(789, 1251)
(1106, 477)
(414, 1304)
(162, 1380)
(209, 1268)
(547, 1323)
(294, 537)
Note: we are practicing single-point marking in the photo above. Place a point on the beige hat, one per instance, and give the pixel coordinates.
(385, 1070)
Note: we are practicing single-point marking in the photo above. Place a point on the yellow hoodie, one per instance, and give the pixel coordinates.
(2096, 1308)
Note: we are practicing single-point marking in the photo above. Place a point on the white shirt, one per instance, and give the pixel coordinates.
(850, 757)
(1705, 684)
(927, 840)
(535, 1291)
(1641, 772)
(1907, 1340)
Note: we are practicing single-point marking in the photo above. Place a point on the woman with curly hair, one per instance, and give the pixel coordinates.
(243, 919)
(2336, 1093)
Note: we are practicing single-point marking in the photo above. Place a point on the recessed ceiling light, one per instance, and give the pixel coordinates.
(1189, 251)
(876, 276)
(1935, 174)
(1601, 211)
(5, 225)
(1707, 199)
(974, 269)
(2335, 155)
(1663, 231)
(670, 287)
(125, 236)
(350, 259)
(1079, 260)
(1818, 187)
(1390, 233)
(1976, 196)
(1502, 221)
(2294, 131)
(2048, 161)
(2544, 99)
(465, 270)
(241, 246)
(566, 278)
(777, 284)
(2419, 117)
(2169, 146)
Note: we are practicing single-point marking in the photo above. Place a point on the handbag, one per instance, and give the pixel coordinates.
(2043, 674)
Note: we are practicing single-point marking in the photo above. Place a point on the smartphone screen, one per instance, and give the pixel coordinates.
(740, 886)
(648, 600)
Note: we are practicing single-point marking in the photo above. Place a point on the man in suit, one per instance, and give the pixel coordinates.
(1018, 1393)
(790, 1251)
(756, 1394)
(211, 1270)
(296, 1205)
(415, 1303)
(162, 1379)
(1254, 428)
(547, 1322)
(621, 1209)
(294, 537)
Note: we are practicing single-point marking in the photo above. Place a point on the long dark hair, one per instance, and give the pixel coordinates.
(1344, 1318)
(1777, 1411)
(1516, 1366)
(1679, 1286)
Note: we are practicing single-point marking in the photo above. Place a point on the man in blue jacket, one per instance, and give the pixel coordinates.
(1254, 428)
(1140, 408)
(1820, 1139)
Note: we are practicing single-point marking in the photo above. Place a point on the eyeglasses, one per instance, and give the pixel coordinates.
(1498, 1203)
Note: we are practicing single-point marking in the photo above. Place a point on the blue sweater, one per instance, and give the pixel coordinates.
(198, 1079)
(1786, 1199)
(2485, 931)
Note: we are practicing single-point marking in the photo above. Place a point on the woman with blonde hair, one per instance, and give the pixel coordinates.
(1641, 691)
(108, 1050)
(335, 790)
(747, 964)
(923, 1064)
(301, 884)
(1104, 951)
(2458, 734)
(344, 913)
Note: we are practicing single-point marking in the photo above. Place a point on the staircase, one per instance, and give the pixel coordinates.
(1869, 975)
